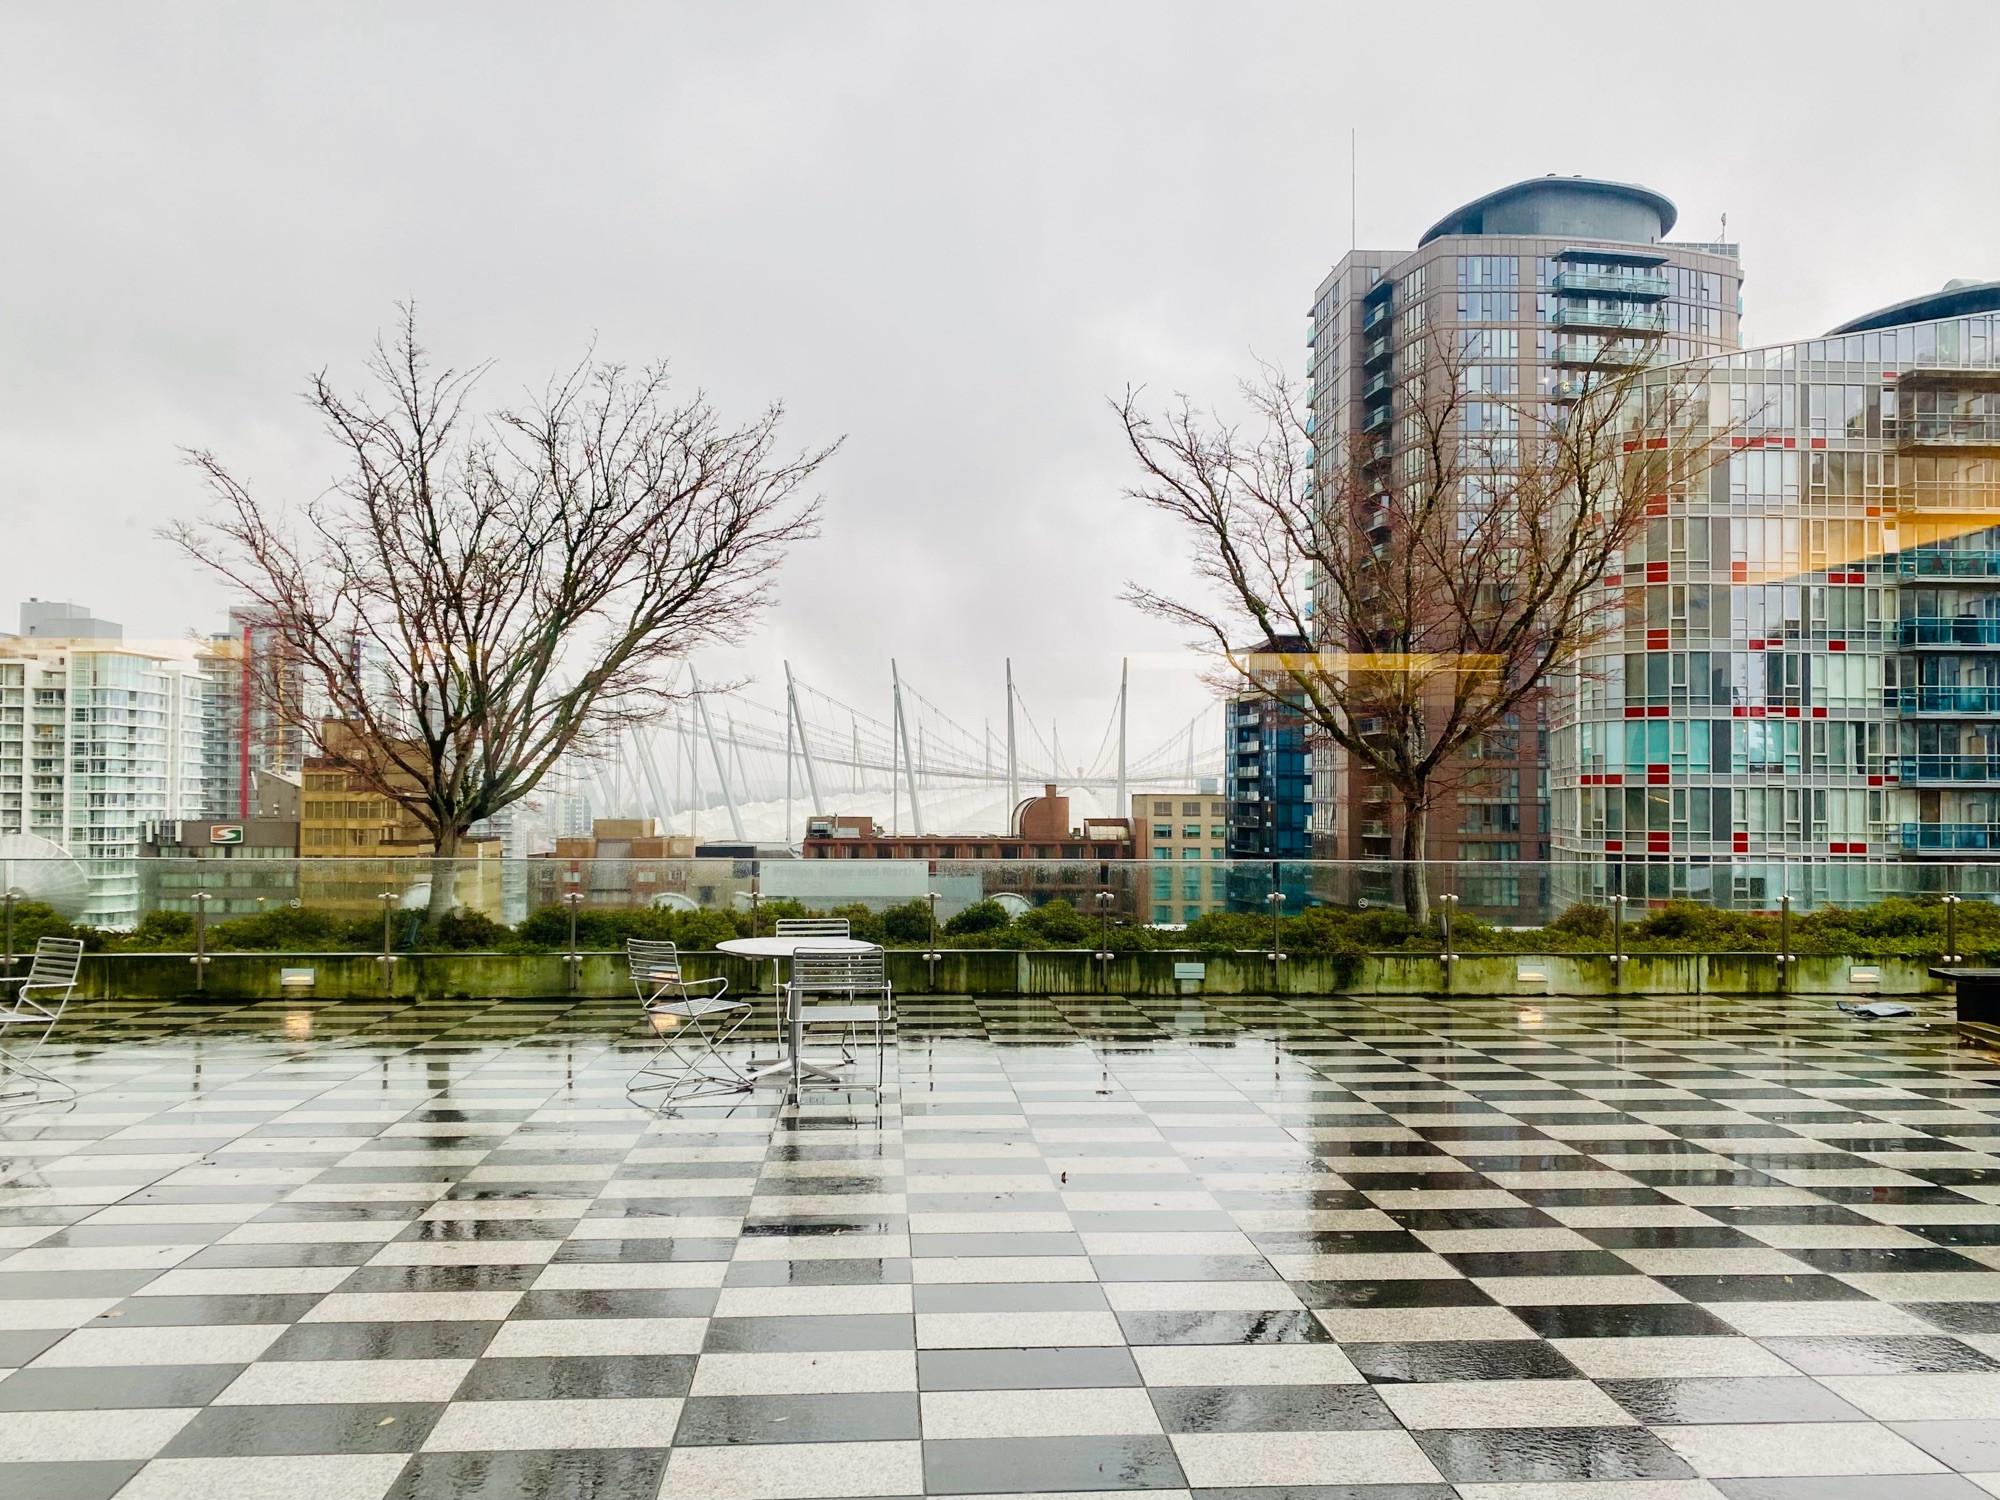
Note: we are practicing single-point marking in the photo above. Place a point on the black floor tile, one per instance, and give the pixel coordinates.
(84, 1479)
(441, 1279)
(1024, 1369)
(824, 1271)
(985, 1466)
(1460, 1359)
(598, 1473)
(831, 1331)
(448, 1339)
(1550, 1455)
(1270, 1408)
(1428, 1292)
(251, 1431)
(860, 1417)
(1282, 1327)
(691, 1302)
(1624, 1320)
(93, 1388)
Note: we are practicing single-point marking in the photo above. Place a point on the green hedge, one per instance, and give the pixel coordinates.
(1897, 928)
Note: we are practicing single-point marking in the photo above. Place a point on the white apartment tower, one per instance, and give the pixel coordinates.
(99, 740)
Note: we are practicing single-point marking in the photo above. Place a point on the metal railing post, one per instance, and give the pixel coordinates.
(1618, 939)
(1951, 955)
(1785, 943)
(200, 959)
(1104, 900)
(389, 899)
(1447, 904)
(931, 954)
(574, 959)
(10, 898)
(1277, 900)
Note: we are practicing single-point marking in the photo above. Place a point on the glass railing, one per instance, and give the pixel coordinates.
(1945, 700)
(1628, 284)
(1971, 431)
(544, 905)
(1982, 563)
(1647, 319)
(1957, 630)
(1919, 769)
(1951, 836)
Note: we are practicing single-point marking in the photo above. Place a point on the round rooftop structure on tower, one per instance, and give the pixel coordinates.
(1956, 299)
(1552, 207)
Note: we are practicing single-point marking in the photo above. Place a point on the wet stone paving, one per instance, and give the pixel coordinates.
(1299, 1249)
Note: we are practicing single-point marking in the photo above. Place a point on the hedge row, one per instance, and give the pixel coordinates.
(1890, 929)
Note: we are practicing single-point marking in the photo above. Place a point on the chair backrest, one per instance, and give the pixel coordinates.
(812, 927)
(818, 971)
(653, 960)
(56, 963)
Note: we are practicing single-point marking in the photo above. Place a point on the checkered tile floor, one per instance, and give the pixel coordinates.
(1296, 1249)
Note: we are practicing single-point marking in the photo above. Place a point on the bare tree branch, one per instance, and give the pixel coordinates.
(480, 595)
(1409, 599)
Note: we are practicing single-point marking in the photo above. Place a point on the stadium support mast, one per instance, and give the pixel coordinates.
(1013, 765)
(721, 765)
(1122, 809)
(805, 746)
(909, 767)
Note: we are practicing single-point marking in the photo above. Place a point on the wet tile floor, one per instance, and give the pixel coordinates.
(1294, 1249)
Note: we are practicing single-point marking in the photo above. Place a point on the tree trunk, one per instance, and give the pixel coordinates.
(1415, 872)
(444, 879)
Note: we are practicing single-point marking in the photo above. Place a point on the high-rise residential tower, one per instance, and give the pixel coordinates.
(100, 742)
(253, 723)
(1805, 693)
(1531, 286)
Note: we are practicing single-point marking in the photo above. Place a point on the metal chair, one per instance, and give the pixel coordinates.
(34, 1009)
(674, 1008)
(857, 981)
(813, 927)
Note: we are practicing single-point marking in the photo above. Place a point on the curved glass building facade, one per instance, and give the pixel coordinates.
(1803, 659)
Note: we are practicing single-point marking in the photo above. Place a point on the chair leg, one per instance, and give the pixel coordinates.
(20, 1065)
(675, 1085)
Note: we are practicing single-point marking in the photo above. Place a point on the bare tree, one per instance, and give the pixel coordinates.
(1410, 597)
(479, 595)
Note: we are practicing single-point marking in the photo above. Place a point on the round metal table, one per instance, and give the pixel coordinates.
(780, 950)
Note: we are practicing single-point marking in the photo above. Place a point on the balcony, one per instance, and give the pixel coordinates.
(1609, 356)
(1378, 418)
(1616, 284)
(1957, 700)
(1625, 319)
(1952, 770)
(1958, 630)
(1944, 563)
(1950, 837)
(1976, 433)
(1376, 386)
(1377, 314)
(1376, 350)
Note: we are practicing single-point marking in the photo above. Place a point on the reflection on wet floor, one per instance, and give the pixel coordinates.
(1380, 1249)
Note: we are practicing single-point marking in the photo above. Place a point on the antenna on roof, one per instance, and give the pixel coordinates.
(1353, 195)
(1725, 229)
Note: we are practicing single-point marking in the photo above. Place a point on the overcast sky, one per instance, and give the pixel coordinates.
(948, 231)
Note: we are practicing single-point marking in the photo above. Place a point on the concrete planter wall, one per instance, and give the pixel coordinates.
(357, 976)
